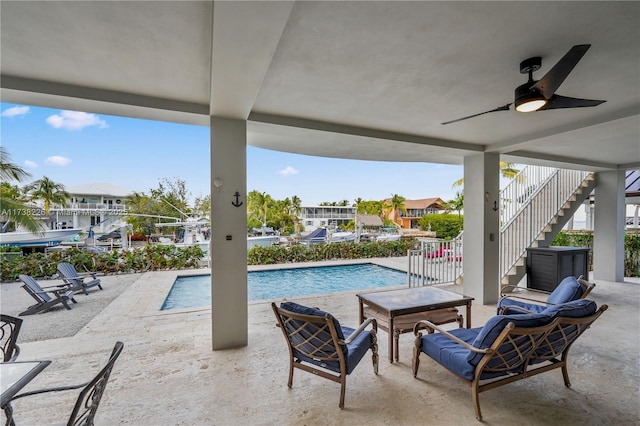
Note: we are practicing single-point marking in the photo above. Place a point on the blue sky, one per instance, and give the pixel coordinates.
(75, 148)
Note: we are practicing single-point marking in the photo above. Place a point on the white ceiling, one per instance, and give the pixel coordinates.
(366, 80)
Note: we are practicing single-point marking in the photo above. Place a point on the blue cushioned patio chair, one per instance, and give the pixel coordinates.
(77, 281)
(86, 405)
(9, 330)
(45, 297)
(317, 343)
(570, 288)
(508, 347)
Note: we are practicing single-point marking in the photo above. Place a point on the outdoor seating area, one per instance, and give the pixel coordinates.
(172, 376)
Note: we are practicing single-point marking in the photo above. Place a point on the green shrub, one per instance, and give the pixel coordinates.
(148, 258)
(286, 254)
(446, 226)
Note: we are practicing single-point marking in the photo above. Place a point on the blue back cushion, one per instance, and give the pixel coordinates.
(306, 310)
(569, 289)
(495, 325)
(575, 309)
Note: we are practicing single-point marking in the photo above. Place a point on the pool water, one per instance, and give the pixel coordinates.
(195, 291)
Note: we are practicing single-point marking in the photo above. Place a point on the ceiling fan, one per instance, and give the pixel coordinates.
(538, 95)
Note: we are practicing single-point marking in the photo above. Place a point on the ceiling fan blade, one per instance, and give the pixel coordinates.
(558, 101)
(500, 108)
(548, 84)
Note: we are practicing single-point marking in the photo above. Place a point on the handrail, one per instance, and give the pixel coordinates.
(529, 204)
(547, 192)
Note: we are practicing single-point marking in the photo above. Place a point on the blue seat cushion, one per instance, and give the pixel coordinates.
(567, 290)
(492, 329)
(450, 354)
(356, 349)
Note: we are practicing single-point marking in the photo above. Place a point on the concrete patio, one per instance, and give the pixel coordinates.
(168, 374)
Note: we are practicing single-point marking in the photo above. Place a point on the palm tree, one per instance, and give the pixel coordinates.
(258, 205)
(457, 204)
(506, 170)
(394, 205)
(12, 206)
(49, 192)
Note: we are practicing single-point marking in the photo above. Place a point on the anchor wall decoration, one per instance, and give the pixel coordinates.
(237, 202)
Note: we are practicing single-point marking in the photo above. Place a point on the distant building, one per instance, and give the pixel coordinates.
(96, 205)
(314, 217)
(415, 210)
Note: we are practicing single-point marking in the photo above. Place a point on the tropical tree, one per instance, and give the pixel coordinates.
(369, 207)
(12, 202)
(507, 170)
(258, 208)
(202, 206)
(456, 204)
(8, 170)
(393, 206)
(49, 192)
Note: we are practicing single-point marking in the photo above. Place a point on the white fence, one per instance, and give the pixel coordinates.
(435, 262)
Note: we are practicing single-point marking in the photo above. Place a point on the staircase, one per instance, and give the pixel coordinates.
(536, 205)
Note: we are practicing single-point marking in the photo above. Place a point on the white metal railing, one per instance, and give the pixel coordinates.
(435, 262)
(529, 203)
(528, 206)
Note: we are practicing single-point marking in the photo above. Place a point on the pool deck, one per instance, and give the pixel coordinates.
(168, 374)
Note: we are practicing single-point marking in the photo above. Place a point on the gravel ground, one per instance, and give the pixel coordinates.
(59, 322)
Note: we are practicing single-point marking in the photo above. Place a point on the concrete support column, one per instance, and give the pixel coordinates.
(609, 222)
(228, 233)
(481, 247)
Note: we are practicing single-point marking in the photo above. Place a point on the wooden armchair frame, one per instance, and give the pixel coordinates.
(517, 353)
(311, 351)
(588, 287)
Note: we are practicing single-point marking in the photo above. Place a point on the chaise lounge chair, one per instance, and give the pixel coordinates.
(46, 297)
(570, 288)
(317, 343)
(77, 281)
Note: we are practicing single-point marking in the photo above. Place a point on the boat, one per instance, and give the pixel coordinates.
(388, 237)
(262, 240)
(194, 232)
(49, 238)
(342, 237)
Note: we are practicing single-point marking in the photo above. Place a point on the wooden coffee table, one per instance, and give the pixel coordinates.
(394, 303)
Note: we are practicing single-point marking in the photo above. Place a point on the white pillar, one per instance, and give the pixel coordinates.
(481, 247)
(609, 223)
(228, 233)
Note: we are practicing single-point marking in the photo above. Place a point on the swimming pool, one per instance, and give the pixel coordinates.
(195, 291)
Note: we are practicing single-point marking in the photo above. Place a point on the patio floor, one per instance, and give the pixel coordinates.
(168, 374)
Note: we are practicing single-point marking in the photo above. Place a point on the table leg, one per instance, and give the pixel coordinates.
(361, 311)
(469, 315)
(390, 334)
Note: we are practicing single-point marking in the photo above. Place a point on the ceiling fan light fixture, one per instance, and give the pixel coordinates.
(527, 99)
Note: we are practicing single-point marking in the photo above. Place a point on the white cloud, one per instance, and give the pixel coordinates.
(57, 160)
(75, 120)
(15, 111)
(288, 171)
(30, 164)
